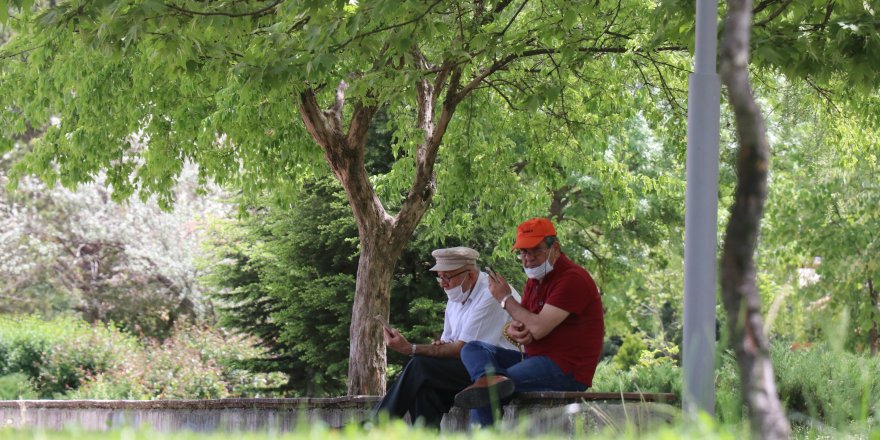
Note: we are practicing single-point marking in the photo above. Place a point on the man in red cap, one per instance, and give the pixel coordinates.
(559, 322)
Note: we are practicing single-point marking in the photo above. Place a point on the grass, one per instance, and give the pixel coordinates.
(704, 428)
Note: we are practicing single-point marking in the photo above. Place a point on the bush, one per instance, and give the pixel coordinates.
(658, 377)
(196, 362)
(56, 355)
(68, 358)
(821, 383)
(630, 351)
(16, 386)
(640, 365)
(837, 386)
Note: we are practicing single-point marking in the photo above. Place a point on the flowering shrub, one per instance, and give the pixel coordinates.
(196, 362)
(132, 263)
(68, 358)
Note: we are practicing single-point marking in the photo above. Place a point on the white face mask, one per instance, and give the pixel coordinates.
(457, 294)
(539, 272)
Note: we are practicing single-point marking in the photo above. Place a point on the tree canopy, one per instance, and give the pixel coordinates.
(501, 108)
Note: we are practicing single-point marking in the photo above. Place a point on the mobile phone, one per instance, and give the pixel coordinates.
(492, 274)
(382, 321)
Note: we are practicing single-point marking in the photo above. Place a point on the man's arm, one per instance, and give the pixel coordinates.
(451, 349)
(536, 324)
(397, 342)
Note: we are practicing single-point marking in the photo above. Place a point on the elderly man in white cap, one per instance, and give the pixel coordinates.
(427, 386)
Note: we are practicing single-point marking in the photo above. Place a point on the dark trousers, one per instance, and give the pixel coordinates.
(426, 389)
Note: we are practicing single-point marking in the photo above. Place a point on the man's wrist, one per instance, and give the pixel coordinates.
(504, 300)
(413, 351)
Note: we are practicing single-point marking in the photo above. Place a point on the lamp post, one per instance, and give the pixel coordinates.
(701, 216)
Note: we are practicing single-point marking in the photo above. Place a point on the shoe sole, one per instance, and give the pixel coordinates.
(480, 397)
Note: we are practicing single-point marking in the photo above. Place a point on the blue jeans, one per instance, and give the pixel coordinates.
(532, 373)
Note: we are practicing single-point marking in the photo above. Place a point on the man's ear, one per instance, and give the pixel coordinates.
(558, 248)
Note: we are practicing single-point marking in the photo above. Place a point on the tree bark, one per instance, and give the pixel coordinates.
(738, 283)
(382, 236)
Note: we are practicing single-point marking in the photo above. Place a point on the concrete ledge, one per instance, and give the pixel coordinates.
(592, 396)
(542, 412)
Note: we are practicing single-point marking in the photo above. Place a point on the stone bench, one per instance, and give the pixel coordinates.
(543, 412)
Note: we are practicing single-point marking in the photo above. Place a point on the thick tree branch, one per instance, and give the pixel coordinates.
(345, 152)
(426, 95)
(315, 121)
(335, 112)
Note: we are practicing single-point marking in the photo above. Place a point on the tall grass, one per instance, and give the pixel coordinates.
(703, 428)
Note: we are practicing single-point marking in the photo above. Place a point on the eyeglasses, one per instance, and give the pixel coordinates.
(447, 278)
(534, 252)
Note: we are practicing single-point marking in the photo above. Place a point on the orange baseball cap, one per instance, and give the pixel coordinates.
(530, 232)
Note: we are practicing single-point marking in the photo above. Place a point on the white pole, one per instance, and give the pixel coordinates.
(701, 216)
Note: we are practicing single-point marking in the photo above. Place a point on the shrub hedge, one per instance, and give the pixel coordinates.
(67, 358)
(818, 383)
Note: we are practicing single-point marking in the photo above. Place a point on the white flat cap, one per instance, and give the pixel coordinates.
(454, 258)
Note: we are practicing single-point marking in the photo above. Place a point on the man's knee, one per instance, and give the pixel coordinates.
(475, 346)
(417, 363)
(478, 345)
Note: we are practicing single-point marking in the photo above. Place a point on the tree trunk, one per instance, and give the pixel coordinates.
(738, 283)
(382, 236)
(367, 360)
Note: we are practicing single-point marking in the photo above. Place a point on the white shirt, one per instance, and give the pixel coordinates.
(479, 318)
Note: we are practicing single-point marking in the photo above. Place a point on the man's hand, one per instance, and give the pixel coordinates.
(499, 289)
(519, 333)
(396, 341)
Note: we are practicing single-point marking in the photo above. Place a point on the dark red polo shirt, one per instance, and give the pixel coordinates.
(576, 343)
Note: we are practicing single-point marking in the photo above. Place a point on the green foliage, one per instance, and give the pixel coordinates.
(630, 352)
(78, 250)
(703, 428)
(58, 355)
(812, 40)
(197, 362)
(661, 377)
(640, 365)
(819, 242)
(835, 388)
(286, 276)
(68, 358)
(16, 386)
